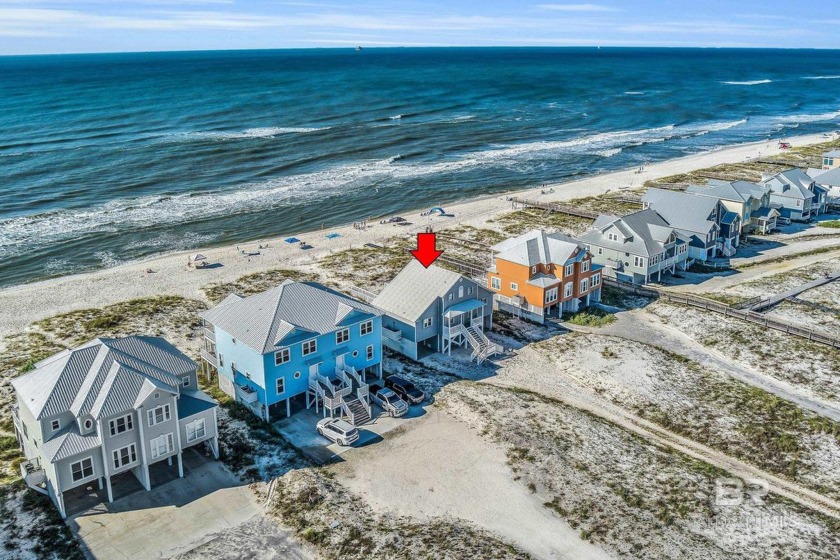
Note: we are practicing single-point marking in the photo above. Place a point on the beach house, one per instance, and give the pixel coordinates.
(831, 160)
(435, 310)
(298, 344)
(711, 228)
(111, 408)
(636, 247)
(750, 201)
(538, 273)
(829, 182)
(797, 195)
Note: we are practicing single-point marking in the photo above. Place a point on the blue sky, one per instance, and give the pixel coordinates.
(62, 26)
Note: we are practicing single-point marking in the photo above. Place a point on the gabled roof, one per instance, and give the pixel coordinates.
(67, 443)
(414, 289)
(103, 377)
(538, 247)
(735, 191)
(292, 310)
(645, 229)
(832, 153)
(793, 183)
(683, 211)
(830, 178)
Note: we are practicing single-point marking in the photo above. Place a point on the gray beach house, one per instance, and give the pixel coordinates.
(750, 201)
(110, 407)
(797, 195)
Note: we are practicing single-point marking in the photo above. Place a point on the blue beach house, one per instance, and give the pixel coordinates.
(299, 344)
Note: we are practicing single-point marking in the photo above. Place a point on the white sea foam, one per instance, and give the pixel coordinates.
(821, 77)
(748, 83)
(395, 117)
(807, 118)
(261, 132)
(609, 153)
(634, 93)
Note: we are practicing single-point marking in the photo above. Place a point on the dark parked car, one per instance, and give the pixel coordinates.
(405, 389)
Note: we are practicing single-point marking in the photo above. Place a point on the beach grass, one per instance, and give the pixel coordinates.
(369, 266)
(591, 317)
(521, 221)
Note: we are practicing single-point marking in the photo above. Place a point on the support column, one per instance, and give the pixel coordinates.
(59, 501)
(100, 483)
(288, 408)
(180, 465)
(147, 482)
(110, 490)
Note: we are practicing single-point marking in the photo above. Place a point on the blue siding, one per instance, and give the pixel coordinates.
(264, 373)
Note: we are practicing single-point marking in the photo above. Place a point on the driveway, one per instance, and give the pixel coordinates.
(175, 517)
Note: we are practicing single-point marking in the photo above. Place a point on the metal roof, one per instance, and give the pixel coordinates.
(538, 247)
(683, 211)
(416, 288)
(67, 443)
(830, 178)
(100, 377)
(645, 233)
(792, 183)
(193, 402)
(832, 153)
(264, 321)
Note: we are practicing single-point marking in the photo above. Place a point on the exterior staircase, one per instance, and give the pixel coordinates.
(481, 345)
(357, 410)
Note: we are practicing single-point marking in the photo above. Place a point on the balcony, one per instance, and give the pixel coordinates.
(210, 334)
(246, 394)
(209, 357)
(34, 475)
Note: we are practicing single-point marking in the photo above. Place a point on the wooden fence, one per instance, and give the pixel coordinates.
(728, 311)
(553, 207)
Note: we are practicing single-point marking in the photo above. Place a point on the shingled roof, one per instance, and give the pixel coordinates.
(292, 310)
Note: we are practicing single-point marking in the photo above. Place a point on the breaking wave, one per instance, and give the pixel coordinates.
(748, 83)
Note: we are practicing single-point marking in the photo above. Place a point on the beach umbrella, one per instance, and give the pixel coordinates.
(292, 240)
(333, 235)
(198, 257)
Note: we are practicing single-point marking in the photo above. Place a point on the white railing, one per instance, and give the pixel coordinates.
(247, 394)
(346, 410)
(365, 404)
(396, 336)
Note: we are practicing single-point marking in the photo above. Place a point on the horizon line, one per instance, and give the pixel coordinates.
(383, 47)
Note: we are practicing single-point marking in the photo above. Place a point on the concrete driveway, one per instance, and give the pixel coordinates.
(174, 518)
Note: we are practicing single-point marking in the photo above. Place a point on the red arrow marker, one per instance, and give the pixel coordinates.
(426, 251)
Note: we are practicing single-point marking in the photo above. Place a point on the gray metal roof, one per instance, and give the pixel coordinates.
(683, 211)
(103, 377)
(193, 402)
(414, 289)
(67, 443)
(792, 183)
(832, 153)
(292, 310)
(538, 247)
(830, 178)
(645, 232)
(735, 191)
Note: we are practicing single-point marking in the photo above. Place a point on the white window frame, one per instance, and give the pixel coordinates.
(584, 285)
(162, 445)
(469, 290)
(638, 262)
(130, 458)
(55, 424)
(596, 280)
(282, 356)
(152, 414)
(342, 336)
(366, 328)
(551, 294)
(128, 423)
(185, 381)
(514, 286)
(568, 270)
(450, 296)
(495, 283)
(460, 292)
(584, 266)
(612, 237)
(568, 289)
(82, 467)
(369, 353)
(308, 347)
(427, 322)
(280, 385)
(534, 269)
(196, 430)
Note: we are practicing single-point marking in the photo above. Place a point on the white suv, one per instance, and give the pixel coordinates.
(338, 430)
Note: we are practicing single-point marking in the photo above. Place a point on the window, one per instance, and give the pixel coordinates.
(584, 285)
(495, 283)
(342, 336)
(280, 385)
(282, 356)
(121, 424)
(196, 430)
(639, 262)
(570, 268)
(369, 352)
(612, 237)
(82, 469)
(514, 286)
(469, 290)
(584, 266)
(450, 296)
(460, 292)
(533, 270)
(125, 456)
(310, 347)
(297, 375)
(567, 290)
(158, 414)
(162, 445)
(366, 328)
(551, 295)
(55, 424)
(600, 251)
(185, 381)
(88, 424)
(221, 360)
(427, 322)
(596, 279)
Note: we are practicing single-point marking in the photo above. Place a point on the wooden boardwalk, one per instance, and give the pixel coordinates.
(767, 303)
(727, 310)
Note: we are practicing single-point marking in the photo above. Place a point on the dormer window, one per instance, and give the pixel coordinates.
(612, 236)
(88, 424)
(533, 270)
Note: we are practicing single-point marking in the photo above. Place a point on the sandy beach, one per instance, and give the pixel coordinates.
(24, 304)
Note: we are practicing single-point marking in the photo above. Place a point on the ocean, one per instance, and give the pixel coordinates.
(113, 157)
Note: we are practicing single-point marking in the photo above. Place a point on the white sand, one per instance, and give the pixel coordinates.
(22, 305)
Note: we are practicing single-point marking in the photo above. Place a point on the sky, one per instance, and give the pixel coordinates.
(72, 26)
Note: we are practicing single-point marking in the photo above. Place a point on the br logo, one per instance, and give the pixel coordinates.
(733, 491)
